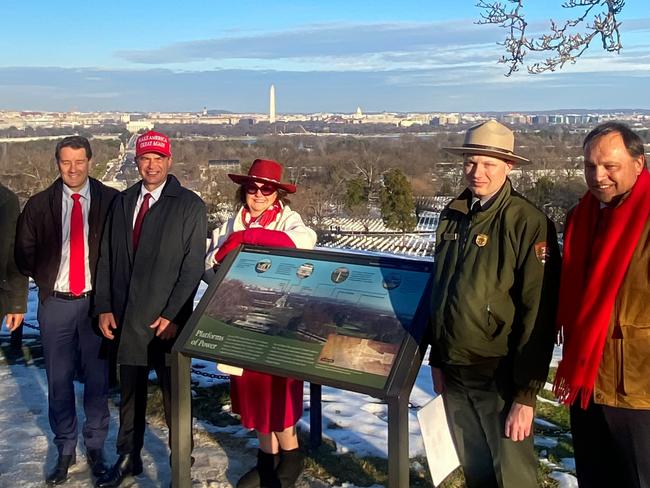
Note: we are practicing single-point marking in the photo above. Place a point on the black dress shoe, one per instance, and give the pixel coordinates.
(126, 465)
(60, 472)
(95, 458)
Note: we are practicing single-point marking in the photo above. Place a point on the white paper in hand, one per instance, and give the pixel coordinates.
(231, 370)
(438, 444)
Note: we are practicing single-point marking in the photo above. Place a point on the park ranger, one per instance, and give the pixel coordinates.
(493, 313)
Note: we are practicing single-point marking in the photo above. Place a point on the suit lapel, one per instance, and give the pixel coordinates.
(56, 208)
(94, 224)
(130, 199)
(155, 219)
(95, 204)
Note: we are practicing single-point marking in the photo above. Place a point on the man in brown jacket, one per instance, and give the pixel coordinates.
(604, 294)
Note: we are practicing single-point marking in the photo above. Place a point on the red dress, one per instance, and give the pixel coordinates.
(265, 402)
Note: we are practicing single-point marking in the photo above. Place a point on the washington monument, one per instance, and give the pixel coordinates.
(272, 104)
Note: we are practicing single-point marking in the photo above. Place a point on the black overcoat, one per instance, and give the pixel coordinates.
(39, 233)
(161, 278)
(13, 285)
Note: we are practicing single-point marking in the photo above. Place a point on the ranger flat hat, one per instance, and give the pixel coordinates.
(489, 139)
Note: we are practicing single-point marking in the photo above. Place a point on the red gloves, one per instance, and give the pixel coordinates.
(257, 236)
(233, 241)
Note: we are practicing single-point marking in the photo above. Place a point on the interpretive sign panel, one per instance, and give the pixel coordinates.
(331, 318)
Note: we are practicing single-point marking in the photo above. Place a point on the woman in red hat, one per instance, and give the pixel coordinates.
(269, 404)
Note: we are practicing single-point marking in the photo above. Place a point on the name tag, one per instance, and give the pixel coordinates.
(449, 236)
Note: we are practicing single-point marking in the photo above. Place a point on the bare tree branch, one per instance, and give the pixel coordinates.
(564, 42)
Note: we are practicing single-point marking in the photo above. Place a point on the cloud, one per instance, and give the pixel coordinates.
(463, 87)
(322, 41)
(399, 47)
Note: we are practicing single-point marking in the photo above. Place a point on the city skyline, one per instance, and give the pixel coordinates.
(333, 57)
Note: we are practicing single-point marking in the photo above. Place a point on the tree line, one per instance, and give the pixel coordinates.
(336, 175)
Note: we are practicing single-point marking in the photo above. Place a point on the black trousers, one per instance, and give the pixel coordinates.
(611, 446)
(134, 381)
(476, 412)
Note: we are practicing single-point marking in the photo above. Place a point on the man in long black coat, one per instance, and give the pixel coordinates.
(150, 266)
(57, 244)
(13, 285)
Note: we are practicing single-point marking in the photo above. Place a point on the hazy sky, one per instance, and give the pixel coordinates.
(334, 55)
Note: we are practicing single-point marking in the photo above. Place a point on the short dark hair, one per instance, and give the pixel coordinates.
(633, 142)
(75, 142)
(241, 196)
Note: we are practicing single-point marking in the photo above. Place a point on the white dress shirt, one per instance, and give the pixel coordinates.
(62, 282)
(155, 196)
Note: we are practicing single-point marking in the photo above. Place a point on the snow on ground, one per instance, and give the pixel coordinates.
(565, 480)
(359, 423)
(545, 424)
(26, 449)
(27, 453)
(557, 355)
(543, 441)
(355, 422)
(569, 463)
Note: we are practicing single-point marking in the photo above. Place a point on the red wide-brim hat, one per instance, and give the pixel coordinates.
(264, 171)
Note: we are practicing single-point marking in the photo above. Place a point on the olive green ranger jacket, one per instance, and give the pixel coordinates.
(495, 287)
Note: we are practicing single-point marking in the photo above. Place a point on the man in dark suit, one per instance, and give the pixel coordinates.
(57, 244)
(150, 267)
(13, 285)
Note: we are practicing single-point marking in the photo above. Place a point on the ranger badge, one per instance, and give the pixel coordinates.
(481, 240)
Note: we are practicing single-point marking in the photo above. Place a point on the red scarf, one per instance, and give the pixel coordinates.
(266, 218)
(591, 277)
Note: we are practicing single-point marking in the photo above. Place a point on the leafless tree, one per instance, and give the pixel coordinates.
(565, 41)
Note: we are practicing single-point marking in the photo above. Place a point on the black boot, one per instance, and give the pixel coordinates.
(95, 458)
(60, 472)
(263, 474)
(290, 467)
(126, 465)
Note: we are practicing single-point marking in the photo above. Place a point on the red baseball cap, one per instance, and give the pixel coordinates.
(153, 142)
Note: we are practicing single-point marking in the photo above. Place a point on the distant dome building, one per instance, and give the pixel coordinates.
(135, 126)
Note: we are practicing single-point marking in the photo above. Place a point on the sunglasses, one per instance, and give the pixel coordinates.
(266, 190)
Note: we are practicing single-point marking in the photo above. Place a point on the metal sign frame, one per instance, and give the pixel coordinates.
(395, 391)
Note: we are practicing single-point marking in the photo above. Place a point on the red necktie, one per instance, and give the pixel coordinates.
(137, 228)
(77, 273)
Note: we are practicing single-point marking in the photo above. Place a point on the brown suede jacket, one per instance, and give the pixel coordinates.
(624, 375)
